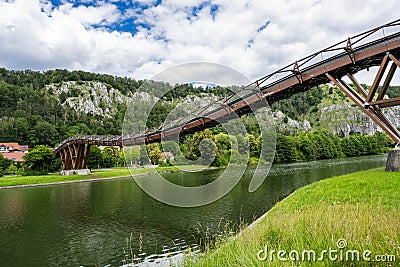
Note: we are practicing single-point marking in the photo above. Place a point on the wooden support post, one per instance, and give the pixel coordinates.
(378, 78)
(386, 84)
(368, 110)
(74, 158)
(357, 85)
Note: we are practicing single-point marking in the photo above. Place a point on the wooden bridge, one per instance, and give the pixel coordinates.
(372, 48)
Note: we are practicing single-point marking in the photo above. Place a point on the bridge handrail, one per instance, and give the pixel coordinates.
(340, 46)
(336, 47)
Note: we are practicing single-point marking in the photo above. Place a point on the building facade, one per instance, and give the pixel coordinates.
(13, 151)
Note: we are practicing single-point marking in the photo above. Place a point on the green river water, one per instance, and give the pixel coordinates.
(87, 224)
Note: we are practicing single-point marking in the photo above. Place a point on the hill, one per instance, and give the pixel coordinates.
(47, 107)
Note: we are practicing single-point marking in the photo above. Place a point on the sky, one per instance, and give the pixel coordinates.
(139, 38)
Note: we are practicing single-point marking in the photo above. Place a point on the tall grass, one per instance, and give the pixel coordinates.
(362, 208)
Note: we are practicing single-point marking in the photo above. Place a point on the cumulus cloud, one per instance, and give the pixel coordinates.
(254, 37)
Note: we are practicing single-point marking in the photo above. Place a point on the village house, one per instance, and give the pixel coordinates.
(13, 151)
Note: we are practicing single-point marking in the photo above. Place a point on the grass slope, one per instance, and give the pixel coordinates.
(362, 208)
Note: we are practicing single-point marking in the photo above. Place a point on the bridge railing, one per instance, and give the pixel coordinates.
(342, 48)
(345, 46)
(113, 140)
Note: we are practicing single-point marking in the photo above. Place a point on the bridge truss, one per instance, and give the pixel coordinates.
(373, 48)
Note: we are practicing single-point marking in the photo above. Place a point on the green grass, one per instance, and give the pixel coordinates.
(362, 208)
(96, 174)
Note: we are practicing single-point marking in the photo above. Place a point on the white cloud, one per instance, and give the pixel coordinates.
(65, 37)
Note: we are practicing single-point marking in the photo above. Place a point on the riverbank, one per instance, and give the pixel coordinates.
(359, 212)
(8, 182)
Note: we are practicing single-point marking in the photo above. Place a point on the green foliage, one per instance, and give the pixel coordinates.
(322, 145)
(285, 149)
(208, 151)
(107, 158)
(154, 153)
(143, 156)
(167, 163)
(41, 159)
(111, 156)
(4, 164)
(194, 144)
(223, 141)
(300, 104)
(131, 154)
(170, 146)
(95, 158)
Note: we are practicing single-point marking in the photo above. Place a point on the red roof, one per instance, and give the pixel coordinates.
(15, 156)
(15, 146)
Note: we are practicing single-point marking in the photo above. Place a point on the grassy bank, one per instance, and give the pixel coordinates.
(96, 174)
(362, 208)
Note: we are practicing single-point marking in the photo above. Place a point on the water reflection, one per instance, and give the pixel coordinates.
(87, 224)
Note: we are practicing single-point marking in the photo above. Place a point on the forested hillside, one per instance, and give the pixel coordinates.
(46, 107)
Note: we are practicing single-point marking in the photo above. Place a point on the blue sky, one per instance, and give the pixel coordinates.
(139, 38)
(129, 23)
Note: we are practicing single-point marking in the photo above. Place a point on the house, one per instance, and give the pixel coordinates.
(13, 151)
(13, 147)
(167, 155)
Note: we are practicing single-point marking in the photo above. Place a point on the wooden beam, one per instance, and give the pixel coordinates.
(382, 117)
(378, 78)
(357, 84)
(385, 103)
(395, 60)
(351, 91)
(388, 79)
(394, 135)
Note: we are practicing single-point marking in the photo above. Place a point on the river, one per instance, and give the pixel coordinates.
(88, 224)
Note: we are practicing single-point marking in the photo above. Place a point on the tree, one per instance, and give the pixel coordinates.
(242, 144)
(285, 149)
(4, 164)
(305, 146)
(198, 138)
(208, 151)
(223, 141)
(111, 156)
(45, 133)
(154, 153)
(95, 158)
(131, 155)
(144, 158)
(39, 159)
(170, 146)
(254, 145)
